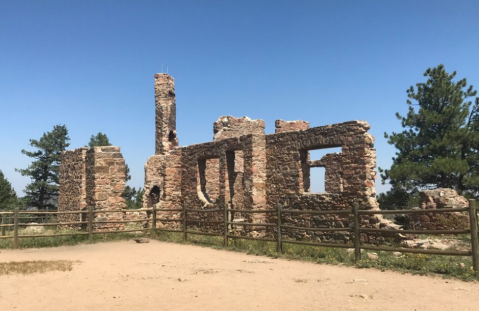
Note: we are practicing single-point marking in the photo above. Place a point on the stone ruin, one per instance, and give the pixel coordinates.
(242, 168)
(92, 177)
(437, 199)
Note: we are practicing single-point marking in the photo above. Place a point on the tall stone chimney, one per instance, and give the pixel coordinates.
(165, 102)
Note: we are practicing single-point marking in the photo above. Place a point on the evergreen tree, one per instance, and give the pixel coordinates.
(398, 198)
(8, 197)
(45, 169)
(129, 193)
(99, 139)
(136, 199)
(139, 197)
(439, 146)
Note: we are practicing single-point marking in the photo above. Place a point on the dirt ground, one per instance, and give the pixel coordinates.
(165, 276)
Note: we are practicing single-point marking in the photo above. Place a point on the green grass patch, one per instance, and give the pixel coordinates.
(458, 267)
(39, 242)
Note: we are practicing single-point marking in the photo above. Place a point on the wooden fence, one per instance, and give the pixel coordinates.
(17, 217)
(279, 227)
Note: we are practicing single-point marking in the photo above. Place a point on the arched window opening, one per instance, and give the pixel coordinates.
(172, 139)
(154, 196)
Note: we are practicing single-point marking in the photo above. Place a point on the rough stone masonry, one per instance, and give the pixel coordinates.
(92, 177)
(244, 168)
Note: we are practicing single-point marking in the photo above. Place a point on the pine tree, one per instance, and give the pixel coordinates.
(129, 193)
(99, 139)
(439, 146)
(136, 199)
(45, 169)
(8, 197)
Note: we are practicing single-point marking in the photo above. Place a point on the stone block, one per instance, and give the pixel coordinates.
(101, 169)
(100, 196)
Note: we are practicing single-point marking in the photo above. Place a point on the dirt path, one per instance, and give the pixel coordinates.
(166, 276)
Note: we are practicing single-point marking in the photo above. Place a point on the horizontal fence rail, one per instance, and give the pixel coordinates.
(474, 252)
(13, 220)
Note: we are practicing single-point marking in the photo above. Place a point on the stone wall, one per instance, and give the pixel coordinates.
(242, 168)
(438, 199)
(92, 177)
(163, 173)
(289, 126)
(105, 182)
(286, 157)
(72, 193)
(357, 161)
(228, 127)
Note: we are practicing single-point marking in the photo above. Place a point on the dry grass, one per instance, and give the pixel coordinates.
(38, 266)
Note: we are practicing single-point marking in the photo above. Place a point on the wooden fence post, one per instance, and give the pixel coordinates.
(15, 229)
(90, 223)
(474, 241)
(3, 222)
(185, 237)
(357, 240)
(226, 226)
(279, 246)
(153, 220)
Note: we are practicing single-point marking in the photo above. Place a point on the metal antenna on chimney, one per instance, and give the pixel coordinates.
(167, 69)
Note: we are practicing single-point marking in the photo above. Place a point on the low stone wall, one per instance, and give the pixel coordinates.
(438, 199)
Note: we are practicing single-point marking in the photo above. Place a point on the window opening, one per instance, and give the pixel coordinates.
(171, 136)
(172, 139)
(316, 175)
(209, 177)
(321, 170)
(154, 196)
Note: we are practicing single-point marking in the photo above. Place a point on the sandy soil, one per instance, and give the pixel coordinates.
(165, 276)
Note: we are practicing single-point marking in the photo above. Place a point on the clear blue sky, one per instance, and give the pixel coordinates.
(90, 65)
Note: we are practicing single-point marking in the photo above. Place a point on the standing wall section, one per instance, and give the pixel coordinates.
(105, 183)
(165, 117)
(245, 166)
(162, 187)
(285, 177)
(92, 177)
(72, 192)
